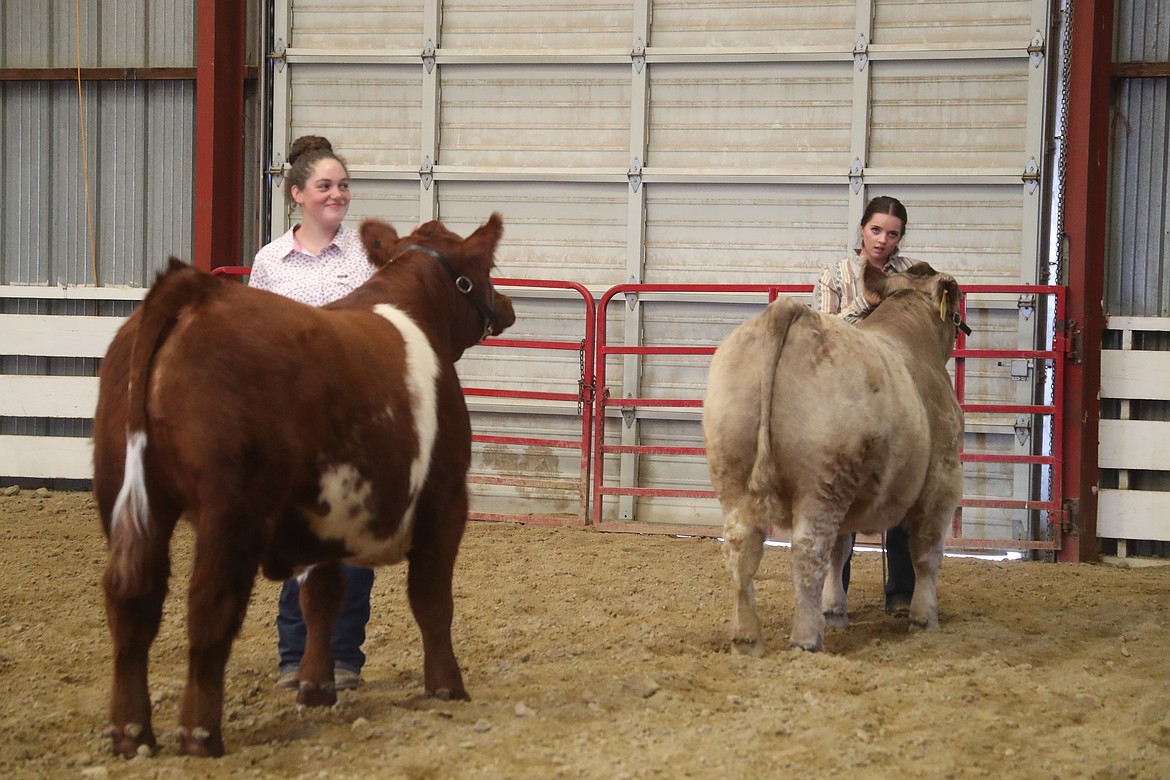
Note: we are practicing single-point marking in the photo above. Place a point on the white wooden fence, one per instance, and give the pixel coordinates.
(53, 397)
(1129, 375)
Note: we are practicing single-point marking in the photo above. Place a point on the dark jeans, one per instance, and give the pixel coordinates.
(900, 576)
(349, 632)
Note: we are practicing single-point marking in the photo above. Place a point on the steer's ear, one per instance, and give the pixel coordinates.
(380, 241)
(873, 283)
(946, 299)
(481, 245)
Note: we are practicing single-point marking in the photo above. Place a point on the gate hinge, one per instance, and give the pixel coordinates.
(634, 174)
(426, 172)
(1036, 49)
(1071, 333)
(1031, 175)
(860, 53)
(277, 55)
(856, 174)
(1070, 516)
(638, 55)
(428, 55)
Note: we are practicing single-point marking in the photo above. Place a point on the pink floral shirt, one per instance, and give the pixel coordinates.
(283, 267)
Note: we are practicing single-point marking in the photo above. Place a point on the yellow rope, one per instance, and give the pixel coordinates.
(84, 151)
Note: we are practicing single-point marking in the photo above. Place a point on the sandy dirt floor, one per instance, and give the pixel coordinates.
(593, 655)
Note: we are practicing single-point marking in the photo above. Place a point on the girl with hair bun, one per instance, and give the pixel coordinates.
(318, 261)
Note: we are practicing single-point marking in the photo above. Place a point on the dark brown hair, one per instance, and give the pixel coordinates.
(305, 152)
(884, 204)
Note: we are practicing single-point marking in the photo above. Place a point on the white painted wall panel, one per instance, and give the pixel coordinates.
(746, 121)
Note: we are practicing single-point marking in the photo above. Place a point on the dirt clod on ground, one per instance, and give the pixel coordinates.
(593, 655)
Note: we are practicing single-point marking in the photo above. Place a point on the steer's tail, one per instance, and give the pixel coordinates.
(130, 569)
(777, 319)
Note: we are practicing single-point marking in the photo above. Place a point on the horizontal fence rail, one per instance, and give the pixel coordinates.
(41, 396)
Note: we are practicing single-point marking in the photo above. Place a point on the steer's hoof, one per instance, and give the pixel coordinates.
(200, 742)
(749, 647)
(836, 618)
(807, 645)
(132, 739)
(313, 695)
(922, 623)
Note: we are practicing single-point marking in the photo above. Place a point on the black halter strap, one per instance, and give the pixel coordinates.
(464, 285)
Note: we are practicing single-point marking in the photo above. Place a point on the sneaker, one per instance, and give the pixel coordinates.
(287, 681)
(898, 604)
(343, 679)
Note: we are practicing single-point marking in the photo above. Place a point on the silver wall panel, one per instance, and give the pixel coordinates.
(139, 158)
(1137, 278)
(1140, 31)
(113, 34)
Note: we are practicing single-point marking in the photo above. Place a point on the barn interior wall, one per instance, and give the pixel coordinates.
(1137, 271)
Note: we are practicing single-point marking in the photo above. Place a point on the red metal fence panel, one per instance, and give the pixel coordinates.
(1051, 505)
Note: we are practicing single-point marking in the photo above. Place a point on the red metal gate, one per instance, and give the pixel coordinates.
(1051, 505)
(583, 397)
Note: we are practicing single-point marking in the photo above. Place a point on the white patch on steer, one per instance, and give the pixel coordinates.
(346, 492)
(348, 498)
(422, 369)
(132, 500)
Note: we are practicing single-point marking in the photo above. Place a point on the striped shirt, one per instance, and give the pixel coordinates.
(285, 268)
(838, 291)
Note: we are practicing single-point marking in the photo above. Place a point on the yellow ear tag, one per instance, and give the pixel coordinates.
(942, 307)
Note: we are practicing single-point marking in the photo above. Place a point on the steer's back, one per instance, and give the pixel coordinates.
(843, 405)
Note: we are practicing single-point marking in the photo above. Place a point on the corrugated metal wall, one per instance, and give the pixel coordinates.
(1137, 279)
(138, 142)
(1137, 271)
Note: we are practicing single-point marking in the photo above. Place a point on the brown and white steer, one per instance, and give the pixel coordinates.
(291, 438)
(827, 428)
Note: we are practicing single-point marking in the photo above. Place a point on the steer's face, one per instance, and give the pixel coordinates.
(469, 261)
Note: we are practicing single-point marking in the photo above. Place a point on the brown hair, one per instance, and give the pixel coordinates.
(884, 204)
(306, 152)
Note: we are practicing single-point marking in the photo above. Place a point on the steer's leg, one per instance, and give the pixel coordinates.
(743, 547)
(813, 538)
(428, 586)
(926, 550)
(322, 594)
(833, 599)
(134, 620)
(227, 556)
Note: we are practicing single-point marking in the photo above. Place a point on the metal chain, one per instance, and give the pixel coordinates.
(581, 379)
(1065, 9)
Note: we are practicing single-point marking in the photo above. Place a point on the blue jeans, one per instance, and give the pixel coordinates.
(900, 577)
(349, 632)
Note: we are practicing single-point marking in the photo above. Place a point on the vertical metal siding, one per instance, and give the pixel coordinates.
(114, 34)
(139, 142)
(1137, 277)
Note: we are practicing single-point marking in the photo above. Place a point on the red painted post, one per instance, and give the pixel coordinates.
(1085, 211)
(219, 133)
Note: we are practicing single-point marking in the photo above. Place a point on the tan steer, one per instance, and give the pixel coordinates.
(826, 428)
